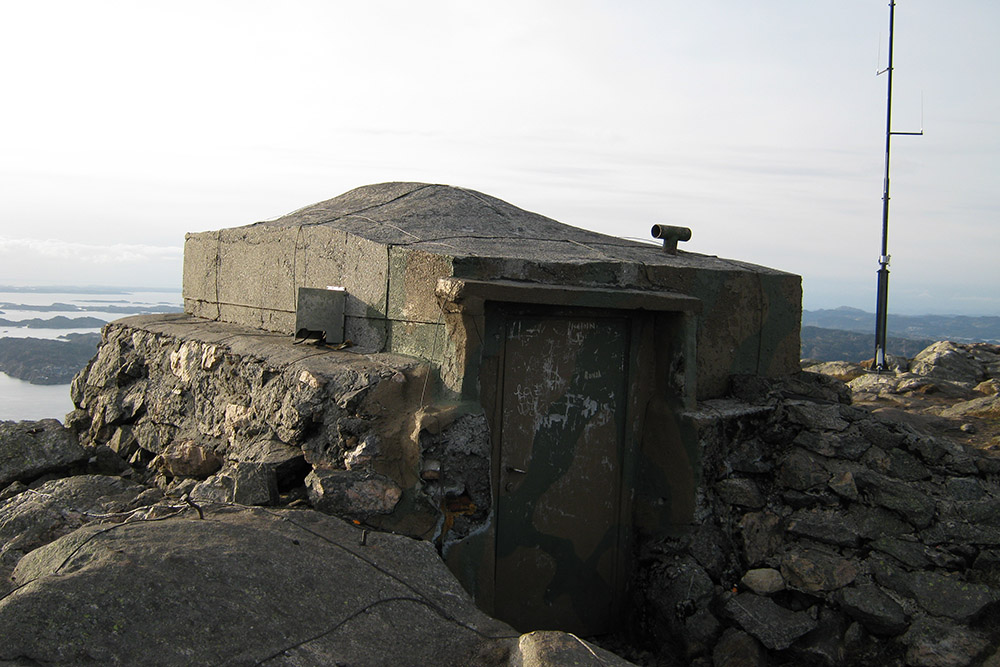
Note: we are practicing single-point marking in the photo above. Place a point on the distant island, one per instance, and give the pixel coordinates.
(104, 307)
(57, 322)
(41, 361)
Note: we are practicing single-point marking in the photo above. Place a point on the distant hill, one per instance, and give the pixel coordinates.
(838, 345)
(958, 328)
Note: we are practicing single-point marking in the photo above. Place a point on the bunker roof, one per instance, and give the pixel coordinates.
(459, 222)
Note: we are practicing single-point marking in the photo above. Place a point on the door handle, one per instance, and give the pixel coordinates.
(517, 470)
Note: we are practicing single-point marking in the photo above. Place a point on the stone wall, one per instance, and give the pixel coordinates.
(827, 535)
(230, 414)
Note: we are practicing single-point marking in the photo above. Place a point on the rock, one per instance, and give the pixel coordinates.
(913, 505)
(934, 642)
(986, 407)
(948, 361)
(829, 526)
(776, 627)
(989, 387)
(740, 491)
(29, 449)
(287, 462)
(762, 535)
(240, 483)
(802, 470)
(814, 571)
(873, 608)
(950, 596)
(549, 648)
(817, 417)
(845, 371)
(242, 587)
(351, 494)
(187, 459)
(763, 581)
(843, 485)
(910, 553)
(850, 444)
(738, 649)
(34, 517)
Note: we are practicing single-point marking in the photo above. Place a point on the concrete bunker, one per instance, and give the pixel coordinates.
(545, 426)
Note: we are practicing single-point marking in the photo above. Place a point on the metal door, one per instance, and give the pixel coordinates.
(563, 402)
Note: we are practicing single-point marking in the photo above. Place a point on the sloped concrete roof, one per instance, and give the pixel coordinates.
(459, 222)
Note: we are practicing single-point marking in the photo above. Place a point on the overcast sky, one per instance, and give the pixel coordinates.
(760, 125)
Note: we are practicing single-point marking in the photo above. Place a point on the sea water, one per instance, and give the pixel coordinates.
(23, 400)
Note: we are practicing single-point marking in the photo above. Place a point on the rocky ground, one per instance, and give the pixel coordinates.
(837, 524)
(99, 568)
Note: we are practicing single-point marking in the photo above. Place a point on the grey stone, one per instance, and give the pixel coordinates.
(934, 642)
(906, 499)
(550, 648)
(738, 649)
(948, 361)
(352, 494)
(762, 534)
(34, 517)
(802, 470)
(873, 608)
(910, 553)
(29, 449)
(843, 485)
(828, 526)
(240, 483)
(950, 597)
(287, 462)
(243, 587)
(763, 581)
(187, 459)
(815, 571)
(740, 491)
(818, 417)
(776, 627)
(964, 488)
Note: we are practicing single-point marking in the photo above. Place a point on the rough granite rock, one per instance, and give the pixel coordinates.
(189, 591)
(873, 608)
(775, 626)
(33, 517)
(29, 449)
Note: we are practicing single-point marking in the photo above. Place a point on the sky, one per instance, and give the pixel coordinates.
(759, 125)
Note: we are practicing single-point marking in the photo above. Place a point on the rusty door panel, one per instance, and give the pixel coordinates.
(562, 434)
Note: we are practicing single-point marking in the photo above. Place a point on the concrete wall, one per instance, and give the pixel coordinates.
(748, 322)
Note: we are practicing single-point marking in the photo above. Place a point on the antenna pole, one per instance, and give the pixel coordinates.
(882, 301)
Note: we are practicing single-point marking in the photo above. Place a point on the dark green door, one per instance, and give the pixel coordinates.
(561, 444)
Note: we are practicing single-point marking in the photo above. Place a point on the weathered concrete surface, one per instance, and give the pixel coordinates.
(241, 587)
(389, 244)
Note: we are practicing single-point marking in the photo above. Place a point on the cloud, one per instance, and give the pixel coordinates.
(115, 253)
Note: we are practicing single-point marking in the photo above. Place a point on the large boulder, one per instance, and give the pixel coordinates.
(29, 449)
(949, 361)
(243, 587)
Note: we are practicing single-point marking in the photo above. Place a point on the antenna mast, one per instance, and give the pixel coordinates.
(882, 302)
